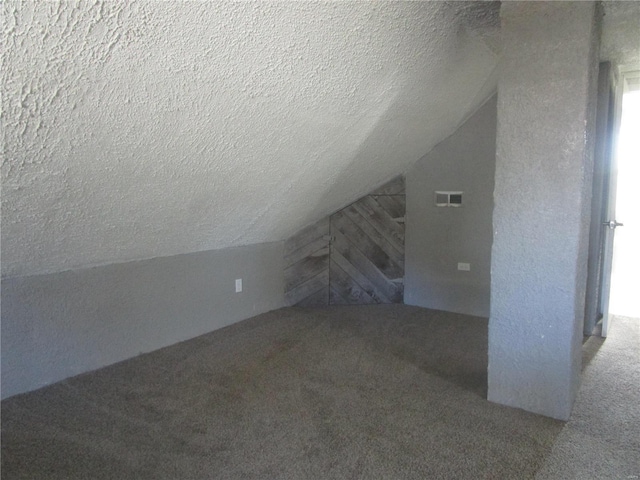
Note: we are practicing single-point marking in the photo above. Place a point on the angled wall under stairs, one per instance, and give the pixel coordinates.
(354, 256)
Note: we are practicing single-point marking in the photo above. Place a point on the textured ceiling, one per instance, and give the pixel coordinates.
(141, 129)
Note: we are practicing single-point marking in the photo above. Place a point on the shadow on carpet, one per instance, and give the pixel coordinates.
(371, 392)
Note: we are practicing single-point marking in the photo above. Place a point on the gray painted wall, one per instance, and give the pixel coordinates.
(544, 162)
(62, 324)
(438, 238)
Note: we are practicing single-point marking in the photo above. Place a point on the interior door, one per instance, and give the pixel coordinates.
(355, 256)
(367, 249)
(610, 223)
(600, 198)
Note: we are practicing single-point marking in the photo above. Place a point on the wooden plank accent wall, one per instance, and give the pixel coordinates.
(306, 266)
(355, 256)
(367, 249)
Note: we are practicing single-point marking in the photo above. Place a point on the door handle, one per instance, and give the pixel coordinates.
(612, 224)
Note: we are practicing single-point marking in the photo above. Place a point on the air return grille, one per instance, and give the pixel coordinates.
(448, 199)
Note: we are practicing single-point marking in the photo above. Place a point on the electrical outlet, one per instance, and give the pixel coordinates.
(465, 267)
(238, 285)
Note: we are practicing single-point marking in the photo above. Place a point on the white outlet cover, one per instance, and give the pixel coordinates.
(465, 267)
(238, 285)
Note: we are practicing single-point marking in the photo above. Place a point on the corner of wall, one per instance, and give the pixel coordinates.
(438, 238)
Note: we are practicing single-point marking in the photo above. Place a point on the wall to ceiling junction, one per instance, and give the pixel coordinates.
(145, 129)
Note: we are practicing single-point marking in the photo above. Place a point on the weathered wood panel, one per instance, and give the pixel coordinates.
(306, 260)
(383, 285)
(382, 222)
(306, 236)
(367, 248)
(317, 247)
(348, 289)
(379, 216)
(305, 269)
(368, 245)
(355, 256)
(392, 251)
(358, 277)
(318, 299)
(299, 295)
(394, 205)
(393, 187)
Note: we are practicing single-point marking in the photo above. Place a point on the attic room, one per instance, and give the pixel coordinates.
(313, 240)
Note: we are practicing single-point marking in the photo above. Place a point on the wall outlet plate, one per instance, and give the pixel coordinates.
(465, 267)
(238, 285)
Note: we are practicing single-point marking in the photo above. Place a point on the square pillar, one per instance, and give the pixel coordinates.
(544, 161)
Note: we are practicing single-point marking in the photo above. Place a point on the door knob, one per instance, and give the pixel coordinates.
(612, 224)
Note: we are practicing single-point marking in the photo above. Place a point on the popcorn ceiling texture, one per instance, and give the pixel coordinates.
(143, 129)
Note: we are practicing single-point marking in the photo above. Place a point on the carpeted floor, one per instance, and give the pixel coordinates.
(370, 392)
(602, 438)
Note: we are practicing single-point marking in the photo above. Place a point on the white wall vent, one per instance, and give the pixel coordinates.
(448, 199)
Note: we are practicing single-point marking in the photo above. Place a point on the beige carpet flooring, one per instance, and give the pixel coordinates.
(371, 392)
(602, 438)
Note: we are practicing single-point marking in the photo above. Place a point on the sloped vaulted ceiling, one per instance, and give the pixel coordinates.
(141, 129)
